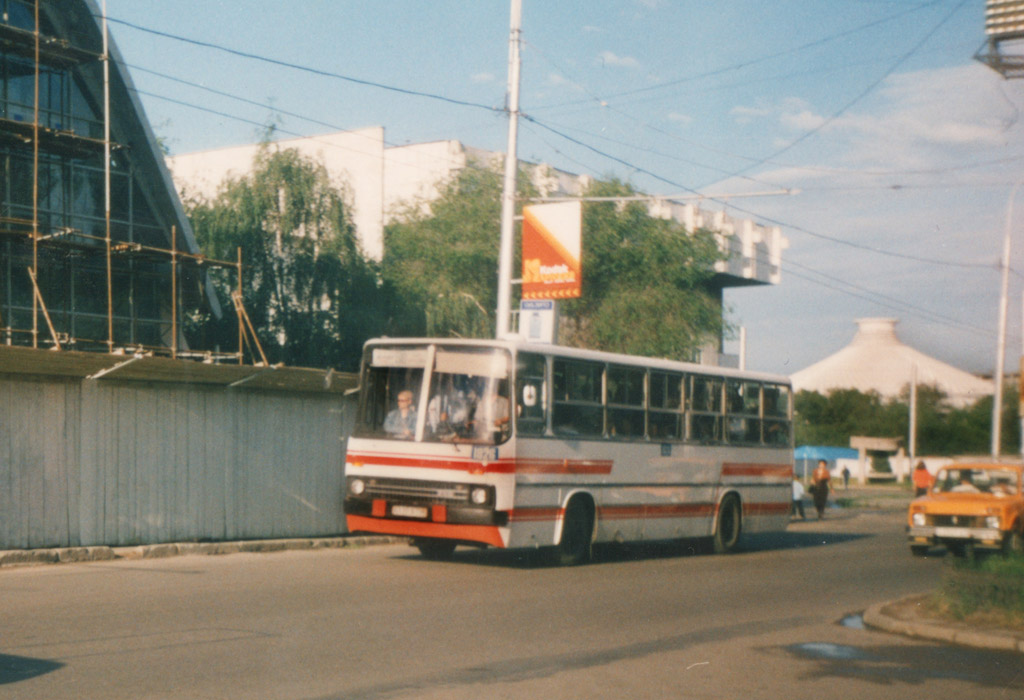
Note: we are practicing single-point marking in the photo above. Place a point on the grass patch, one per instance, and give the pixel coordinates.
(989, 590)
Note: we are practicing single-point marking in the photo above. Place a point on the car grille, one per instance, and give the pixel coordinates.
(412, 490)
(956, 520)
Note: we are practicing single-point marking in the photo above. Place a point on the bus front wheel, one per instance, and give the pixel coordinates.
(727, 526)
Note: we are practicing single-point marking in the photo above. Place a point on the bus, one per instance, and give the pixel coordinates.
(503, 443)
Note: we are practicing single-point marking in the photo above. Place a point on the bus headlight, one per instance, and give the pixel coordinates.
(356, 487)
(992, 522)
(479, 495)
(918, 519)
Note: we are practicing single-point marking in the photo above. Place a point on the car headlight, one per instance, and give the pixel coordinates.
(918, 519)
(356, 487)
(992, 522)
(479, 496)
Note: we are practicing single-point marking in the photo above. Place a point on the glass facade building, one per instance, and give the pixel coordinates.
(102, 284)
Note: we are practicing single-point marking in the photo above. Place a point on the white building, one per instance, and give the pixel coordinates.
(876, 360)
(381, 179)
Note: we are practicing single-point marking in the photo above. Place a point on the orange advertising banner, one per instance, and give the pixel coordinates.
(551, 250)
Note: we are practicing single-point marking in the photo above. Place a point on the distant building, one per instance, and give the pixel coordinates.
(876, 360)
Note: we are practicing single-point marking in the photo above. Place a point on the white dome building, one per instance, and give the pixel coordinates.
(876, 360)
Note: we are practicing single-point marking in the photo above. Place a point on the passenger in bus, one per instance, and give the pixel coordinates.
(490, 418)
(447, 411)
(401, 421)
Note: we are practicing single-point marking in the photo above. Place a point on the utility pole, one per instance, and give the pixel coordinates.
(508, 194)
(1004, 27)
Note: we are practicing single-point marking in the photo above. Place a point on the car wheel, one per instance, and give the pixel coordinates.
(1013, 544)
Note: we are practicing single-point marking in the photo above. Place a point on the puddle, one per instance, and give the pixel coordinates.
(853, 622)
(825, 650)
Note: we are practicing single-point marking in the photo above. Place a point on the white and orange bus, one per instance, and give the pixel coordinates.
(508, 444)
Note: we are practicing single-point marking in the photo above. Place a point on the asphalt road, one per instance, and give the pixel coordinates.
(777, 620)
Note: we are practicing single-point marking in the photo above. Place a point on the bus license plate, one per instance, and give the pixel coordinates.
(409, 511)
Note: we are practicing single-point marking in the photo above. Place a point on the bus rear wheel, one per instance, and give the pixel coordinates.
(574, 547)
(727, 526)
(436, 550)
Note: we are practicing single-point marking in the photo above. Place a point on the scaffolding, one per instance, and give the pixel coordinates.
(61, 243)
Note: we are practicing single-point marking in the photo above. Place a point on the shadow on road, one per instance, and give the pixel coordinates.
(912, 665)
(641, 551)
(21, 668)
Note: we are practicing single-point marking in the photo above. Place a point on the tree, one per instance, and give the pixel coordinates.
(441, 258)
(311, 294)
(648, 270)
(941, 429)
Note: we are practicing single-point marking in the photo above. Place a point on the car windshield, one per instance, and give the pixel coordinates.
(993, 481)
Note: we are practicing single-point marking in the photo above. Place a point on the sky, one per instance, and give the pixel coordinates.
(900, 150)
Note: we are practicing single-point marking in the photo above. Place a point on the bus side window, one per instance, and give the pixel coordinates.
(625, 402)
(665, 418)
(704, 406)
(531, 394)
(578, 409)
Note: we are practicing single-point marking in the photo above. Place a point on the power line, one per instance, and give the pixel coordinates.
(859, 96)
(308, 69)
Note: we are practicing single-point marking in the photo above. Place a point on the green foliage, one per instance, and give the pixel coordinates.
(310, 292)
(941, 430)
(645, 281)
(442, 259)
(993, 584)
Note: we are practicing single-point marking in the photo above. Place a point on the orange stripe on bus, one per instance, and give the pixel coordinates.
(486, 534)
(523, 515)
(504, 466)
(753, 469)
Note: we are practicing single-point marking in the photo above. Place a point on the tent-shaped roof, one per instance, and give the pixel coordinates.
(876, 360)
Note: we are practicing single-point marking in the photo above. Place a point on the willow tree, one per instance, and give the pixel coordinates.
(645, 279)
(312, 295)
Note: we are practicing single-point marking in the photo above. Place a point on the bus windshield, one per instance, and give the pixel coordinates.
(434, 393)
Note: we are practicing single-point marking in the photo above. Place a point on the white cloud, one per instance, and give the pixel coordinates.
(483, 77)
(745, 115)
(679, 118)
(608, 58)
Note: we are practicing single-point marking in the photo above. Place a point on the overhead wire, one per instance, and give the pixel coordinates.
(567, 137)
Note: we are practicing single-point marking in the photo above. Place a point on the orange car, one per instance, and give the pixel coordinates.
(969, 507)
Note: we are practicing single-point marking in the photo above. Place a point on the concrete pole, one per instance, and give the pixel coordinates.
(997, 403)
(508, 195)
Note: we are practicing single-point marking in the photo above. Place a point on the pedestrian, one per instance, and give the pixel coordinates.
(798, 498)
(922, 480)
(820, 484)
(846, 477)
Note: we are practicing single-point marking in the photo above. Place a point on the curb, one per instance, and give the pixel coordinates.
(67, 555)
(1000, 640)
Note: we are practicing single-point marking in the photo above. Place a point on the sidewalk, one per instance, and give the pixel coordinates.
(66, 555)
(908, 616)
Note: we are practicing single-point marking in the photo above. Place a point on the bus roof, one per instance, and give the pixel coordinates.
(517, 345)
